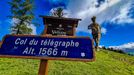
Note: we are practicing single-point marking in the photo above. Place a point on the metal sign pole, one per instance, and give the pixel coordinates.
(43, 69)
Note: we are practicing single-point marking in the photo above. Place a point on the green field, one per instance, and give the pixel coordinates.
(107, 63)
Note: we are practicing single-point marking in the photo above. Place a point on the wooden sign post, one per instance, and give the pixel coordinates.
(43, 69)
(55, 26)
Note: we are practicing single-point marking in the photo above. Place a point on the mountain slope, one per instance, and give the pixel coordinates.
(107, 63)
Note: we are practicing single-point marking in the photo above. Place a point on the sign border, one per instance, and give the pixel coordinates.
(50, 58)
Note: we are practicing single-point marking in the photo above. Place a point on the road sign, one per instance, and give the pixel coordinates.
(47, 47)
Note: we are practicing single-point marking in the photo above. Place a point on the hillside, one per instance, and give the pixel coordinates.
(107, 63)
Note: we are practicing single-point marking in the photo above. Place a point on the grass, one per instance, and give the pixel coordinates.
(107, 63)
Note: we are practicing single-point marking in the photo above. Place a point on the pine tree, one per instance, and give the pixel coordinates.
(58, 12)
(22, 13)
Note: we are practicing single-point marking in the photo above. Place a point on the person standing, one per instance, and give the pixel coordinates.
(96, 32)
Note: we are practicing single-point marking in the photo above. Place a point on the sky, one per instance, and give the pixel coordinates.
(116, 18)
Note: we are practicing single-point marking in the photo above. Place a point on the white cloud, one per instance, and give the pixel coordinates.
(15, 21)
(66, 13)
(91, 8)
(85, 9)
(123, 16)
(103, 30)
(124, 46)
(32, 26)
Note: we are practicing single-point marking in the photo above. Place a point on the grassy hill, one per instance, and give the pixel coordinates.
(107, 63)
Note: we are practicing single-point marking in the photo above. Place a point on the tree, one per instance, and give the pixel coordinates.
(58, 12)
(22, 13)
(103, 47)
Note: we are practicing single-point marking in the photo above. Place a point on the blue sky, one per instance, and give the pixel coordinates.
(115, 16)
